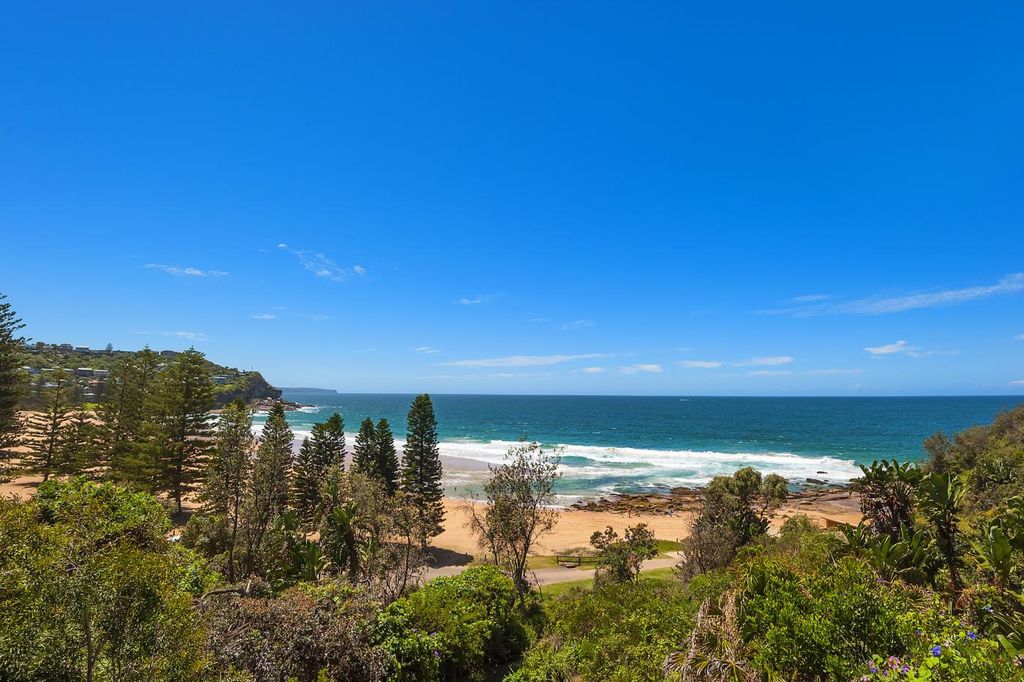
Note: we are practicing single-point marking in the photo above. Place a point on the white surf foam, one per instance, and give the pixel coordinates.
(609, 469)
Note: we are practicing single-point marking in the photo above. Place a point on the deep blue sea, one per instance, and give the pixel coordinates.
(644, 444)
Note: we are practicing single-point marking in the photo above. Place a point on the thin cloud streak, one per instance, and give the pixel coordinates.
(524, 360)
(882, 305)
(891, 348)
(642, 368)
(833, 371)
(700, 364)
(766, 361)
(191, 336)
(322, 266)
(184, 271)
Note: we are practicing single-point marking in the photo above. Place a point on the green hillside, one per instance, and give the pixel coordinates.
(90, 367)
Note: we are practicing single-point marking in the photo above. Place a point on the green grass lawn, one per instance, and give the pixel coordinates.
(666, 546)
(557, 589)
(548, 561)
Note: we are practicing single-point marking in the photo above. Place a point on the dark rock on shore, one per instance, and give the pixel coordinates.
(265, 404)
(682, 500)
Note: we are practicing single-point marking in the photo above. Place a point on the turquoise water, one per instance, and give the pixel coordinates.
(639, 444)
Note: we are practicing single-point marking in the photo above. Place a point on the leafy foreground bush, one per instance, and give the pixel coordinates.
(823, 624)
(617, 631)
(466, 627)
(90, 589)
(300, 634)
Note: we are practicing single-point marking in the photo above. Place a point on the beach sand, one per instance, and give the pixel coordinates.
(572, 531)
(575, 526)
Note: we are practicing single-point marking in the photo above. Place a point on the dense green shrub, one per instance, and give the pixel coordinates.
(474, 621)
(309, 632)
(821, 624)
(617, 631)
(90, 589)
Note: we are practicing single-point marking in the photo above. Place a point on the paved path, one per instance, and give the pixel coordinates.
(558, 574)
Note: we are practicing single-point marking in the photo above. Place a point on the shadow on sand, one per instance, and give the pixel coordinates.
(440, 557)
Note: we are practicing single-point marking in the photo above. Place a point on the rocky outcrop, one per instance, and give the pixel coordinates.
(681, 500)
(250, 387)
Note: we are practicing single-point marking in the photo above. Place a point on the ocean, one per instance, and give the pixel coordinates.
(615, 444)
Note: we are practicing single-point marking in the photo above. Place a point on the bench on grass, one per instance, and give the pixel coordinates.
(574, 561)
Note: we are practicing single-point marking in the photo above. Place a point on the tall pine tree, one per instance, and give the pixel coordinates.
(365, 450)
(79, 444)
(306, 481)
(421, 467)
(329, 440)
(386, 469)
(125, 417)
(324, 448)
(227, 476)
(375, 454)
(47, 455)
(269, 485)
(184, 392)
(13, 382)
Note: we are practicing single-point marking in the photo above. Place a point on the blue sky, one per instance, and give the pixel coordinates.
(635, 198)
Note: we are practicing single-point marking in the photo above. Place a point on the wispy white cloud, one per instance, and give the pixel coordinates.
(769, 372)
(766, 361)
(594, 370)
(887, 305)
(1019, 337)
(264, 316)
(178, 271)
(642, 368)
(1018, 382)
(478, 299)
(900, 346)
(429, 350)
(904, 348)
(491, 375)
(577, 324)
(191, 336)
(810, 298)
(700, 364)
(830, 371)
(524, 360)
(322, 266)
